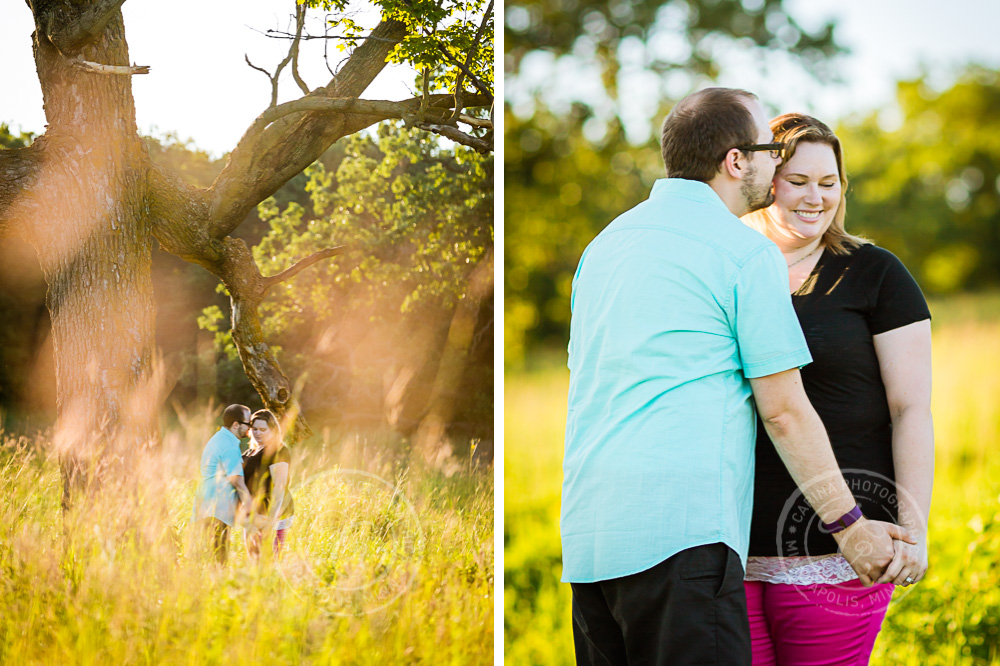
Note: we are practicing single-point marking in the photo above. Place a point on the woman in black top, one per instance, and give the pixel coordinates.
(868, 329)
(265, 470)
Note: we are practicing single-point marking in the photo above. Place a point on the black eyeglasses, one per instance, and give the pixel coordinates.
(245, 423)
(776, 149)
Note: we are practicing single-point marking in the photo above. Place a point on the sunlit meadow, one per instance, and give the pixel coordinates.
(385, 564)
(952, 617)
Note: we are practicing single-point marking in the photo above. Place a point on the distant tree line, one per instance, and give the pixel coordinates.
(925, 184)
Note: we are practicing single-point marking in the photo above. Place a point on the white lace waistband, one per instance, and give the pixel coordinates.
(805, 570)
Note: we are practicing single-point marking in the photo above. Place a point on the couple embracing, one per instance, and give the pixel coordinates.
(249, 489)
(720, 505)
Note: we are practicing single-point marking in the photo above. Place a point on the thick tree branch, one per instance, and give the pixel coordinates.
(70, 28)
(381, 108)
(301, 265)
(263, 161)
(476, 122)
(180, 215)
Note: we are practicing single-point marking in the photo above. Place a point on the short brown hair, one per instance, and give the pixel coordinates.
(233, 414)
(702, 128)
(793, 129)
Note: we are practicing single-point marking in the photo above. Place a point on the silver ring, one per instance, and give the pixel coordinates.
(909, 580)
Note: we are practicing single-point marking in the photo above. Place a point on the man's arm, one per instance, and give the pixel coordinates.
(241, 489)
(802, 442)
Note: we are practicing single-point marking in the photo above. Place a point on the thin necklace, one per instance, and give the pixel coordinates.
(799, 261)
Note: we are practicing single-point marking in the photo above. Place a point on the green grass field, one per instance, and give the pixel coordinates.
(952, 617)
(384, 565)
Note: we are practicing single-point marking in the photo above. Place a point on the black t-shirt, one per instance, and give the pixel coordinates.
(845, 301)
(257, 475)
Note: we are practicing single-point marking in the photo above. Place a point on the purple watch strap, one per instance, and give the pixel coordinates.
(842, 523)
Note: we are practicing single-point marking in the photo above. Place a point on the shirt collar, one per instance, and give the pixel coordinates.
(230, 433)
(689, 189)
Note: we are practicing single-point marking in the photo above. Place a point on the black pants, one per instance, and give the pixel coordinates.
(218, 534)
(689, 609)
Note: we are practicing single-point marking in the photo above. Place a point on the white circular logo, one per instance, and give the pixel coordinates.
(357, 541)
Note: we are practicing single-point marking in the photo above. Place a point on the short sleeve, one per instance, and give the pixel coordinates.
(232, 461)
(767, 330)
(896, 300)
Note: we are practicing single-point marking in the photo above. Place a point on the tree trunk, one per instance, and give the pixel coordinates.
(430, 440)
(93, 237)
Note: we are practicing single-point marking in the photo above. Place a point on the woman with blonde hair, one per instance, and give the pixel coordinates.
(868, 330)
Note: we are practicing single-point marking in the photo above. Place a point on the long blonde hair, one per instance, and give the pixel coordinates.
(792, 129)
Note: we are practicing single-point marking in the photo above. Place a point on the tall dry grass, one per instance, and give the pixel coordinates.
(385, 564)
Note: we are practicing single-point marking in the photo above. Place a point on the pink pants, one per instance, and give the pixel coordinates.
(815, 625)
(279, 540)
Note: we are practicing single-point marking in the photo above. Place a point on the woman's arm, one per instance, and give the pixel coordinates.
(904, 356)
(279, 479)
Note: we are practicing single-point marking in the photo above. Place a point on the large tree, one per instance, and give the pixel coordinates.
(86, 196)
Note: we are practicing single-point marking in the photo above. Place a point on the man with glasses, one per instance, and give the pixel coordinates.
(215, 502)
(681, 321)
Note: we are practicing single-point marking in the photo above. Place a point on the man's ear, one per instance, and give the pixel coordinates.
(733, 164)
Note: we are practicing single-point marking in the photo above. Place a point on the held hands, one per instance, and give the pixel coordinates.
(908, 565)
(867, 545)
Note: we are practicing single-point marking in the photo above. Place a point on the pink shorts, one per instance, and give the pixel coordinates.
(815, 625)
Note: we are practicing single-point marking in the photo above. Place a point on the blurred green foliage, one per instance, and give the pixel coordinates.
(672, 35)
(10, 140)
(925, 184)
(562, 184)
(929, 190)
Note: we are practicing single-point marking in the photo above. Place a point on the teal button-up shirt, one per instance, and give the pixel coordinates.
(220, 460)
(676, 304)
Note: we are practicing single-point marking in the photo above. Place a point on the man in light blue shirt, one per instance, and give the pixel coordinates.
(682, 319)
(216, 499)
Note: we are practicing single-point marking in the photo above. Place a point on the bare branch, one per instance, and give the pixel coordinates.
(293, 54)
(98, 68)
(70, 29)
(458, 136)
(300, 19)
(259, 69)
(326, 44)
(464, 67)
(476, 81)
(301, 265)
(278, 34)
(272, 79)
(265, 160)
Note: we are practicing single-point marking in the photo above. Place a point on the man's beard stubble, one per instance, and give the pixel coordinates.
(756, 195)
